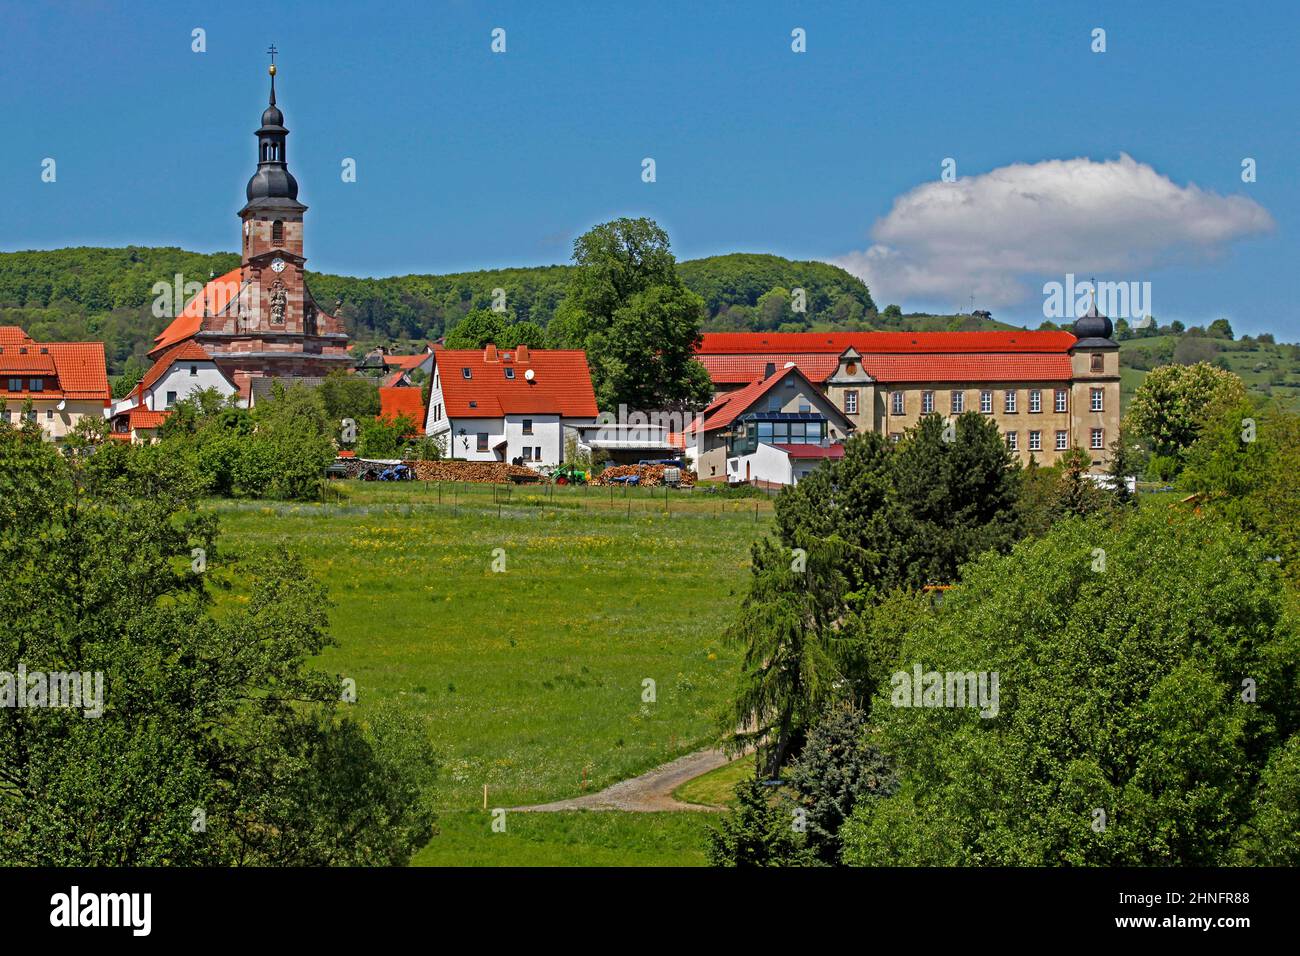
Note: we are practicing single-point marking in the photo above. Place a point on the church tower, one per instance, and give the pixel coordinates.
(272, 233)
(260, 321)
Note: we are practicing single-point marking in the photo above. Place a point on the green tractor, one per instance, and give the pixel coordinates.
(569, 474)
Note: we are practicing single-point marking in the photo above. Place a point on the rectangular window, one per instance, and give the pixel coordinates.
(510, 372)
(537, 452)
(797, 432)
(851, 402)
(1035, 441)
(1061, 399)
(896, 403)
(1098, 439)
(528, 426)
(194, 370)
(895, 437)
(466, 372)
(1062, 440)
(780, 433)
(1035, 401)
(1098, 362)
(171, 399)
(986, 403)
(927, 403)
(15, 385)
(1009, 401)
(958, 402)
(528, 453)
(1096, 396)
(1012, 441)
(37, 385)
(774, 403)
(482, 441)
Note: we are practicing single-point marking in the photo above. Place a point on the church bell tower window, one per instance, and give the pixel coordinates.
(277, 232)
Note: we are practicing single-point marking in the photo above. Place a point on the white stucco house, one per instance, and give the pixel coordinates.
(508, 405)
(180, 372)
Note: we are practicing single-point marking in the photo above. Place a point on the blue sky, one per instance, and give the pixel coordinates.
(468, 159)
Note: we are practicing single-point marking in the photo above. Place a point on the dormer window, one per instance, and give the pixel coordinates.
(37, 385)
(466, 372)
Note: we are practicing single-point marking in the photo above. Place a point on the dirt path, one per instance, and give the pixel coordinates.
(647, 793)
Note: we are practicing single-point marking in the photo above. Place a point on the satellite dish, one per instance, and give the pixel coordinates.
(530, 374)
(63, 403)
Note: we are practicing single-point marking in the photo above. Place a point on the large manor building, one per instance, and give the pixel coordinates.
(782, 398)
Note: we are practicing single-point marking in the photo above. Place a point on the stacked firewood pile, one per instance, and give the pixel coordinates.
(651, 475)
(486, 472)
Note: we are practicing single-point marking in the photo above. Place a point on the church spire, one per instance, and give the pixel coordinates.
(272, 184)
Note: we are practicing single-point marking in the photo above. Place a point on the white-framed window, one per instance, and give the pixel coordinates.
(1035, 441)
(510, 371)
(1009, 401)
(171, 399)
(465, 372)
(927, 403)
(1061, 399)
(986, 403)
(896, 403)
(1098, 438)
(1035, 401)
(1062, 439)
(958, 402)
(1013, 442)
(851, 402)
(1096, 397)
(895, 437)
(528, 453)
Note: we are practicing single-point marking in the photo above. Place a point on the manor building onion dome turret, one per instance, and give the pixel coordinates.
(1092, 328)
(272, 184)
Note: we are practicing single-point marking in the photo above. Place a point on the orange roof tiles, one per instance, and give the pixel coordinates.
(216, 295)
(561, 384)
(402, 400)
(186, 351)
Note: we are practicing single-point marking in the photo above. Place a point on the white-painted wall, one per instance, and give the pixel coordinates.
(180, 380)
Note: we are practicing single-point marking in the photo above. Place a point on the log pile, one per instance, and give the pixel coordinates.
(651, 476)
(485, 472)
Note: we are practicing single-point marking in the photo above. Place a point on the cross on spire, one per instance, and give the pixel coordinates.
(273, 51)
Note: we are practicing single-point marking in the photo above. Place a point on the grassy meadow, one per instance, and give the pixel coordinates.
(530, 680)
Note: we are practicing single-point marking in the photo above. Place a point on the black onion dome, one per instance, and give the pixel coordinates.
(1093, 325)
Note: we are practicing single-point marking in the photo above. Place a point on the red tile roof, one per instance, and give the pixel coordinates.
(75, 370)
(812, 451)
(186, 351)
(742, 369)
(968, 368)
(561, 384)
(405, 362)
(141, 417)
(1016, 340)
(216, 294)
(402, 400)
(1007, 356)
(725, 409)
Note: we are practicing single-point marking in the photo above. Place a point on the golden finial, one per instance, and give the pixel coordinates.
(271, 69)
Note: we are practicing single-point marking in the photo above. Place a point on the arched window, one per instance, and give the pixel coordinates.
(277, 232)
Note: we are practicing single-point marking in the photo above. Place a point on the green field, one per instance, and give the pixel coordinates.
(531, 680)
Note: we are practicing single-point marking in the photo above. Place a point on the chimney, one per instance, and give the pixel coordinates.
(521, 354)
(490, 353)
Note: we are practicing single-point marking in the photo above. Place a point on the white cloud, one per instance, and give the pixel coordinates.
(995, 233)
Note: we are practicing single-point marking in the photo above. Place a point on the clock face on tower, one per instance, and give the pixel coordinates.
(277, 265)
